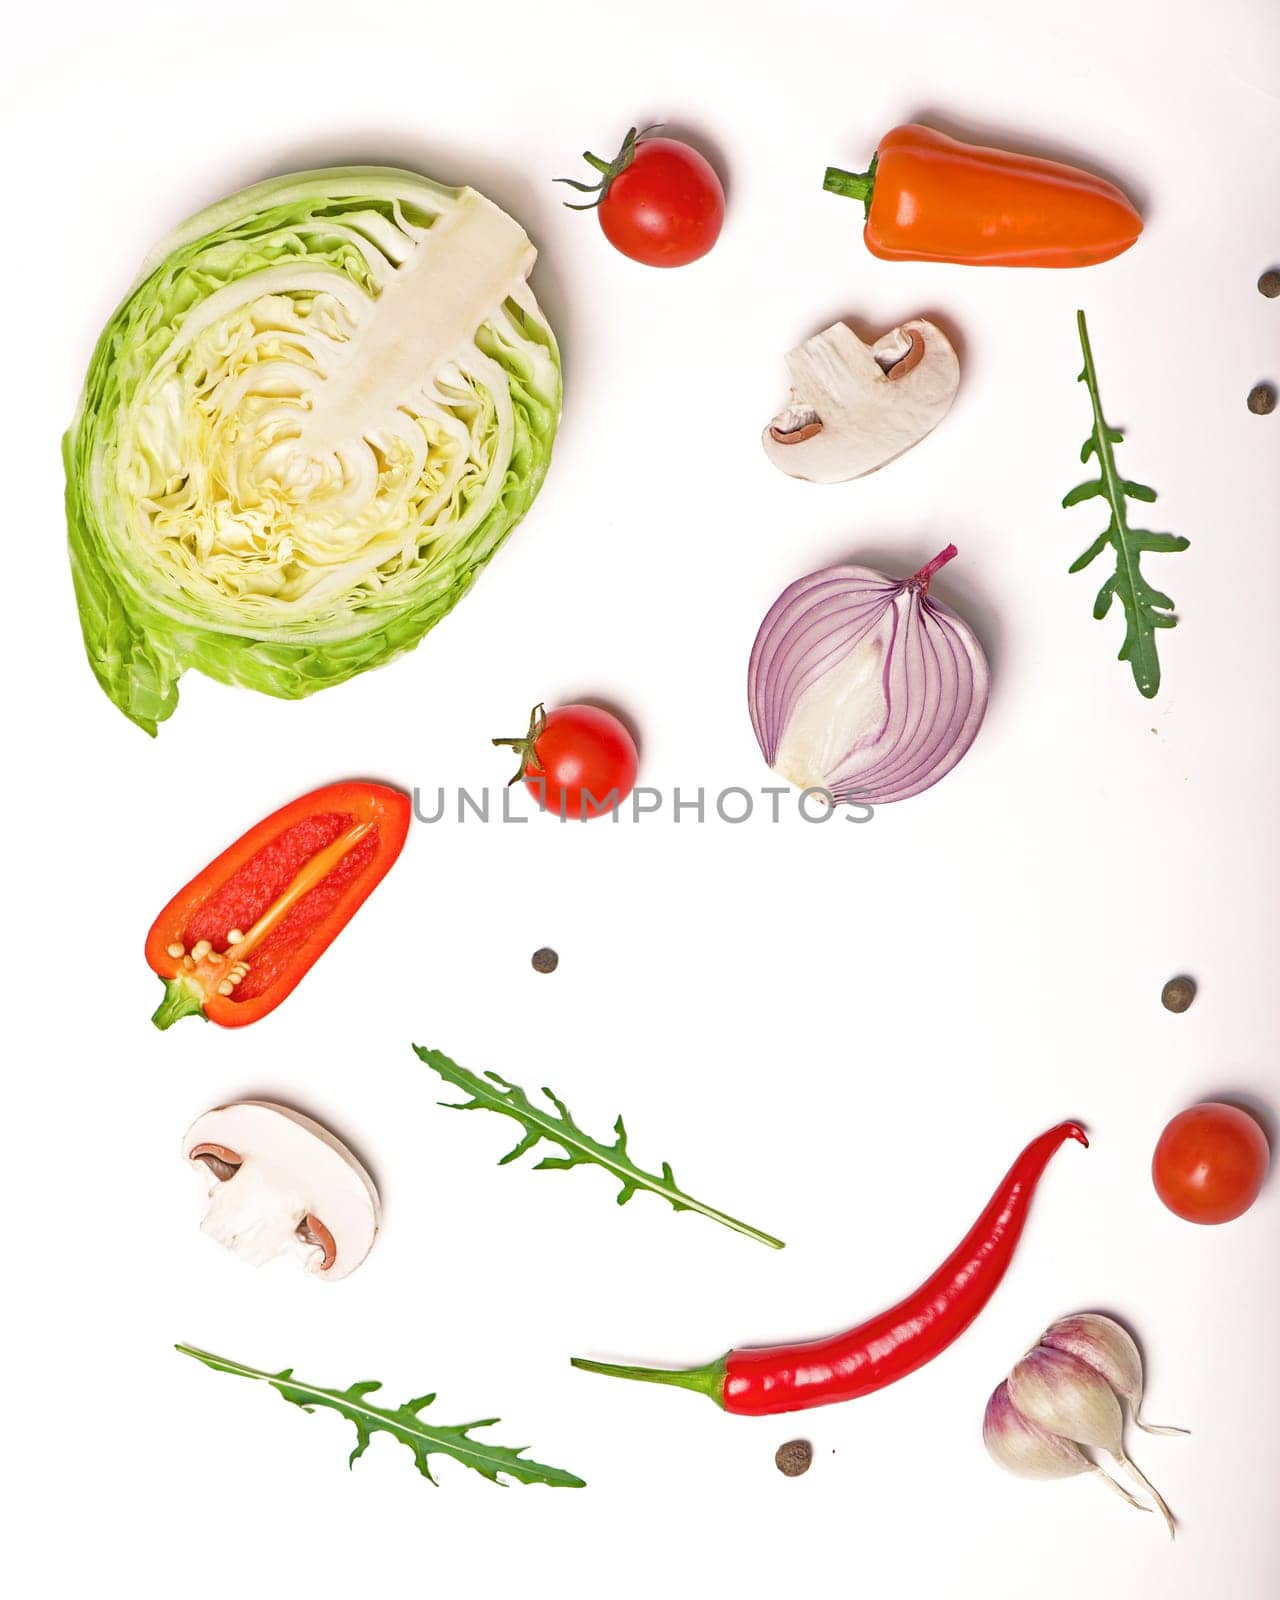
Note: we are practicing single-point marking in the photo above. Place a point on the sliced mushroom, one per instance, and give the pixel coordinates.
(281, 1181)
(854, 407)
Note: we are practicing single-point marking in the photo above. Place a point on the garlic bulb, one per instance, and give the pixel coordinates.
(1066, 1397)
(1069, 1392)
(1101, 1343)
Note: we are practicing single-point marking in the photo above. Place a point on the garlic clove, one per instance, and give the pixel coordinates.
(1067, 1397)
(1103, 1344)
(1027, 1450)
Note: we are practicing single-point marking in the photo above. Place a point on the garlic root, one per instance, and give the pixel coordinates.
(1066, 1397)
(1151, 1490)
(1119, 1488)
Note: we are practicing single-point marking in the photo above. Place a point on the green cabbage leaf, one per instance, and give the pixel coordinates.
(323, 406)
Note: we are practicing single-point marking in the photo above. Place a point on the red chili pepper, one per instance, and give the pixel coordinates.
(931, 198)
(792, 1377)
(237, 939)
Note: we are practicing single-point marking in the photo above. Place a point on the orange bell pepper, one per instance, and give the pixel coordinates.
(932, 198)
(236, 940)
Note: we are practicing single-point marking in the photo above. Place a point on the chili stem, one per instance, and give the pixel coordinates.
(708, 1380)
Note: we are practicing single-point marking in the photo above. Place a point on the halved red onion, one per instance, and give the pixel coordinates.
(862, 685)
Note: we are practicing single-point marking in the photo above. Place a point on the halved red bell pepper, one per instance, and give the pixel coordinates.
(238, 938)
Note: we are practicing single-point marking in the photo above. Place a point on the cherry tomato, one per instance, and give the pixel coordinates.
(577, 761)
(660, 201)
(1210, 1163)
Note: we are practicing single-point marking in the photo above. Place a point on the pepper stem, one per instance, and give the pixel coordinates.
(708, 1380)
(852, 185)
(180, 1000)
(922, 578)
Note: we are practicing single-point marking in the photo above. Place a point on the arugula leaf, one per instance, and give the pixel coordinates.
(1146, 609)
(493, 1093)
(403, 1423)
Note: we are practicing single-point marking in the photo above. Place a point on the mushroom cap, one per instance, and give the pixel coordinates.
(297, 1168)
(873, 401)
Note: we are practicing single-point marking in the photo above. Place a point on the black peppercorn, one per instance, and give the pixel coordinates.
(1262, 399)
(545, 960)
(794, 1457)
(1269, 284)
(1177, 994)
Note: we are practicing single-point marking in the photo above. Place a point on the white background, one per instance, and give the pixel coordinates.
(842, 1033)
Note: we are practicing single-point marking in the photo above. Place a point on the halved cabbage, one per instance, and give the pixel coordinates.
(323, 406)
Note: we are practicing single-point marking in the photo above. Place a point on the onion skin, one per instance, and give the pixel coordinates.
(934, 679)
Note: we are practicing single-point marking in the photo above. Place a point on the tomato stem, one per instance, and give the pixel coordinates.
(853, 185)
(526, 744)
(608, 171)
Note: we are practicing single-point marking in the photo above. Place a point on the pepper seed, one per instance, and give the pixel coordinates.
(1269, 284)
(1178, 994)
(545, 960)
(1262, 399)
(794, 1457)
